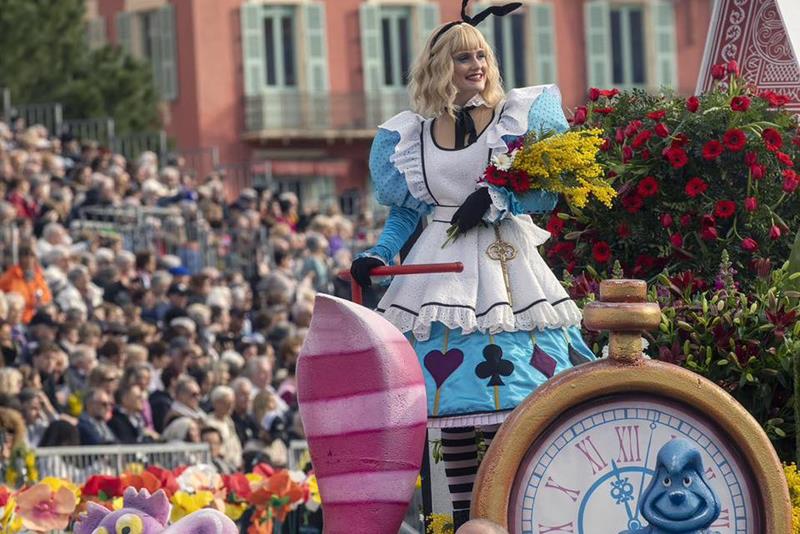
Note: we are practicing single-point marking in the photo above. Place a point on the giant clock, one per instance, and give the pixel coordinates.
(576, 456)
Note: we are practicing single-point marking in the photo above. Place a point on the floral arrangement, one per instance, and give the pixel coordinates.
(793, 481)
(565, 164)
(259, 501)
(693, 176)
(559, 163)
(743, 339)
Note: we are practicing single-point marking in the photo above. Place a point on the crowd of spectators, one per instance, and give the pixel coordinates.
(103, 345)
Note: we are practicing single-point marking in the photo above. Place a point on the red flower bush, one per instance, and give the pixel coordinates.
(696, 183)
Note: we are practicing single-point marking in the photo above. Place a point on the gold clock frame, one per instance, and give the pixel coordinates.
(493, 486)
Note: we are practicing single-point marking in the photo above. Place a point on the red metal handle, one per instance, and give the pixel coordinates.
(423, 268)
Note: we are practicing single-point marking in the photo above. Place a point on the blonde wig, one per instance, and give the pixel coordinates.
(432, 89)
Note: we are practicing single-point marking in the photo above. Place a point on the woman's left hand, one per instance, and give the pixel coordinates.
(470, 213)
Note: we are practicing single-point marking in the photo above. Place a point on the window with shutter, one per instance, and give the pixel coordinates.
(395, 29)
(510, 48)
(280, 44)
(665, 71)
(597, 26)
(628, 46)
(543, 39)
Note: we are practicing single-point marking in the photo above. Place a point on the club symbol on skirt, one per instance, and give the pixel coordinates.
(441, 365)
(493, 368)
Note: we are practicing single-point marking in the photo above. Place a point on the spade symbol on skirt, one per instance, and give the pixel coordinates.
(494, 366)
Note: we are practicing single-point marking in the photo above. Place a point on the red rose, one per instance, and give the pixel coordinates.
(680, 141)
(632, 203)
(623, 231)
(657, 115)
(790, 183)
(661, 130)
(718, 71)
(695, 187)
(712, 150)
(709, 233)
(774, 99)
(686, 219)
(604, 111)
(619, 135)
(601, 252)
(725, 209)
(734, 140)
(732, 67)
(676, 240)
(627, 154)
(774, 233)
(785, 159)
(641, 139)
(632, 128)
(749, 244)
(666, 220)
(692, 104)
(606, 146)
(677, 157)
(594, 94)
(772, 139)
(757, 172)
(555, 225)
(648, 187)
(644, 154)
(609, 93)
(580, 115)
(740, 103)
(751, 204)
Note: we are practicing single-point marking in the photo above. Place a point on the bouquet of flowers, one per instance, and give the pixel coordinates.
(565, 164)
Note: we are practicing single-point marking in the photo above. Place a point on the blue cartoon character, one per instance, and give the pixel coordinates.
(678, 499)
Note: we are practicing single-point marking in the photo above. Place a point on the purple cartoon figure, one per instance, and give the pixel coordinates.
(145, 514)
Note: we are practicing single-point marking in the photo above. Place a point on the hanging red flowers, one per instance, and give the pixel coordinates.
(749, 244)
(750, 204)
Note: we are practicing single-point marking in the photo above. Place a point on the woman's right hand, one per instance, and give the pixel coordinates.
(361, 267)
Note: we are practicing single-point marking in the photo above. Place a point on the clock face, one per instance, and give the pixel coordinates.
(592, 466)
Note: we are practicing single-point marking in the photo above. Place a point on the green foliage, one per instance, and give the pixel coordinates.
(46, 59)
(746, 341)
(679, 204)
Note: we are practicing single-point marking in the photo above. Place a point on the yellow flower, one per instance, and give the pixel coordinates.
(187, 503)
(567, 164)
(793, 481)
(56, 483)
(235, 511)
(75, 405)
(440, 524)
(9, 521)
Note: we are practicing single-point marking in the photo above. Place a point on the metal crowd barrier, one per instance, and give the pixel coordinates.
(77, 464)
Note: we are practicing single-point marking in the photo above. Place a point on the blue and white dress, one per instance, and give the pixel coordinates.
(484, 345)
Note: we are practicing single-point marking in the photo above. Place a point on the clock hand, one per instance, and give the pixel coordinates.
(644, 473)
(622, 490)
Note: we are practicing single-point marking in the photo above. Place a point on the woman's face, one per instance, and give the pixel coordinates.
(469, 71)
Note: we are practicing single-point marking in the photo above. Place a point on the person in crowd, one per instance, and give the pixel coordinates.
(27, 279)
(187, 400)
(223, 399)
(127, 422)
(93, 422)
(38, 414)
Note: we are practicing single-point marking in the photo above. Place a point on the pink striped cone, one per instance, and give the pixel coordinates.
(362, 401)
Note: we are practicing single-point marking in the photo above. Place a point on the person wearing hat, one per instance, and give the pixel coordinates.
(27, 279)
(178, 297)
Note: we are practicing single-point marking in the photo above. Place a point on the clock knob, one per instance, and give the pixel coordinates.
(624, 312)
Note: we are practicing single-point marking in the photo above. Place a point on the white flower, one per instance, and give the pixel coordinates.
(502, 161)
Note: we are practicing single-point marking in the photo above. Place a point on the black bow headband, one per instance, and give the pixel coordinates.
(498, 11)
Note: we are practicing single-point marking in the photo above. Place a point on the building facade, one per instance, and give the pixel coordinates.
(288, 93)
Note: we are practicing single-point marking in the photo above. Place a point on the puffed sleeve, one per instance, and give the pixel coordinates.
(396, 173)
(530, 109)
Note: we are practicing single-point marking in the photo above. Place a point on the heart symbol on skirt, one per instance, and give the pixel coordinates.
(441, 366)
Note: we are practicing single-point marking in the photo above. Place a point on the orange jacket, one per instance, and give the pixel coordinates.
(14, 280)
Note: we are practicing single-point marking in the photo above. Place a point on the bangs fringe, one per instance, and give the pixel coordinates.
(432, 90)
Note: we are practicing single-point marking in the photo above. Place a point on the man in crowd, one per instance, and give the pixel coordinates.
(93, 422)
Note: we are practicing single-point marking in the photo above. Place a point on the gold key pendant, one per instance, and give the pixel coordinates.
(503, 252)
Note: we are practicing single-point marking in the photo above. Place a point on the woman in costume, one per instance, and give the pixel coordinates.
(490, 335)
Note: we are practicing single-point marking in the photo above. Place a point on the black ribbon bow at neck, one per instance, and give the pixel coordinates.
(465, 127)
(497, 11)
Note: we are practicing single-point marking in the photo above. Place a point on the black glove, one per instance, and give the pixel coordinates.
(470, 213)
(361, 267)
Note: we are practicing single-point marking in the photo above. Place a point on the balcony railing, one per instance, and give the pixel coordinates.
(308, 115)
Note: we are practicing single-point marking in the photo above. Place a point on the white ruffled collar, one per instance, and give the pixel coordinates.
(476, 101)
